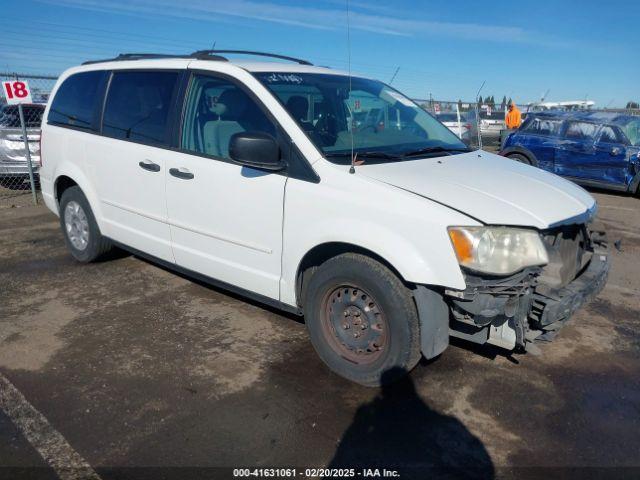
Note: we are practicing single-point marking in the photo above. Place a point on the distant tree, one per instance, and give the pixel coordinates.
(633, 105)
(459, 105)
(479, 101)
(504, 102)
(509, 101)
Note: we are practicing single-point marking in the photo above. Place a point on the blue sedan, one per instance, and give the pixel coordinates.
(591, 148)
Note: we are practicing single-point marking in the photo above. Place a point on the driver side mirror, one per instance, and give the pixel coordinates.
(255, 150)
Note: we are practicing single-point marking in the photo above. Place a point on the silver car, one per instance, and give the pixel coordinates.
(490, 125)
(462, 129)
(13, 158)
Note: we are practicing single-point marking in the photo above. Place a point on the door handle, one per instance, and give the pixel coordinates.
(181, 173)
(149, 165)
(615, 151)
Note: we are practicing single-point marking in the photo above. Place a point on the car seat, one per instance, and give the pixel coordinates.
(232, 108)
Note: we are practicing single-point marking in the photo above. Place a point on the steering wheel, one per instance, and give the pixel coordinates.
(325, 128)
(367, 128)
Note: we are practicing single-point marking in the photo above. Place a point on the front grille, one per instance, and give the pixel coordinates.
(567, 247)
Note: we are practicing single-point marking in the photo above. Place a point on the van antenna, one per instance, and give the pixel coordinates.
(353, 158)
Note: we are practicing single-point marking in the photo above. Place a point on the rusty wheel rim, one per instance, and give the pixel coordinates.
(354, 325)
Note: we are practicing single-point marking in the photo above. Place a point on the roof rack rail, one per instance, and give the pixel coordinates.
(208, 54)
(200, 55)
(145, 56)
(132, 56)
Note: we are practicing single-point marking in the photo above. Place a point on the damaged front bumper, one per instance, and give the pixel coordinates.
(515, 311)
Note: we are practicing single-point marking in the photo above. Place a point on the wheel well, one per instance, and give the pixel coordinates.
(518, 152)
(321, 253)
(526, 154)
(62, 183)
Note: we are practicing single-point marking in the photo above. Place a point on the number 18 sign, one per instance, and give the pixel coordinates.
(16, 92)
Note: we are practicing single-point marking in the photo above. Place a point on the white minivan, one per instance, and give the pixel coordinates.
(329, 195)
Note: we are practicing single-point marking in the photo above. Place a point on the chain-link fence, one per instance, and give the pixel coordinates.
(20, 139)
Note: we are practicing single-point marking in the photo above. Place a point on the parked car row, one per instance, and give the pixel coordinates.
(490, 124)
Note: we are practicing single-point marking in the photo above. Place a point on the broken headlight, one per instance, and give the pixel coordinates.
(497, 250)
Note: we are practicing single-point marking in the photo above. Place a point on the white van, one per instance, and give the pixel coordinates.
(328, 195)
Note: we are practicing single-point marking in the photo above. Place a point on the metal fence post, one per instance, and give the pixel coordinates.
(28, 154)
(478, 126)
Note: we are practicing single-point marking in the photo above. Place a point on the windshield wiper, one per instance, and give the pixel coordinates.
(360, 155)
(427, 150)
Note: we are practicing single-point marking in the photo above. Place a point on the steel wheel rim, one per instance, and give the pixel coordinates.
(76, 225)
(354, 324)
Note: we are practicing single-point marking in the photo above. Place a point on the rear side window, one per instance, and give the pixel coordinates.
(608, 135)
(543, 126)
(138, 105)
(581, 131)
(77, 101)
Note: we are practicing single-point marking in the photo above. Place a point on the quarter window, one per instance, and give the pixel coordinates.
(215, 110)
(581, 131)
(138, 105)
(77, 101)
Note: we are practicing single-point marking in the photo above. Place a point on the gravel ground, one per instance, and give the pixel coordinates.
(123, 364)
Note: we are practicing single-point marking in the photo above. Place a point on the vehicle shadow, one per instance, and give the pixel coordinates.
(398, 431)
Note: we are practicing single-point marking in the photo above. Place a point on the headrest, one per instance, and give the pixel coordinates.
(298, 107)
(234, 102)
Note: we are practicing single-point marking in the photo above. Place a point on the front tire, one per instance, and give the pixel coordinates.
(79, 227)
(520, 158)
(362, 320)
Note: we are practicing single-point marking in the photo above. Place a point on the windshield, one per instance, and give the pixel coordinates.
(385, 124)
(632, 130)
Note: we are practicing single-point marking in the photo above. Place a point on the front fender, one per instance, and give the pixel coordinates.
(408, 231)
(433, 263)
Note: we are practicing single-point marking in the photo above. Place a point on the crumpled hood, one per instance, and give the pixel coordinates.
(490, 188)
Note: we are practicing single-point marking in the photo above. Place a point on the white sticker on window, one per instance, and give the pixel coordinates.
(284, 77)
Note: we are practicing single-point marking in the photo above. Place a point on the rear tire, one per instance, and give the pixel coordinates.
(362, 320)
(520, 158)
(79, 227)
